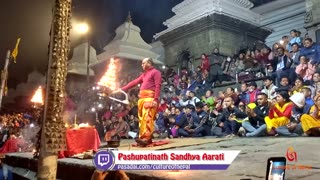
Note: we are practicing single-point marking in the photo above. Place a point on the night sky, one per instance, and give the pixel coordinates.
(31, 20)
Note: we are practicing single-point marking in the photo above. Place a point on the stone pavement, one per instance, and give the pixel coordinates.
(252, 160)
(250, 164)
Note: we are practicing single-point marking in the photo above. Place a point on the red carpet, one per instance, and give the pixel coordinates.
(154, 143)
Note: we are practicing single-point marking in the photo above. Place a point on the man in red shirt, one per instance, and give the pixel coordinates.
(148, 101)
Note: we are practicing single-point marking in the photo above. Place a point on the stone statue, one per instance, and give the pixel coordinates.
(308, 18)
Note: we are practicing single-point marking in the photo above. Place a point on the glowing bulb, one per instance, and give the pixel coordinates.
(281, 42)
(163, 67)
(82, 28)
(100, 106)
(93, 109)
(31, 125)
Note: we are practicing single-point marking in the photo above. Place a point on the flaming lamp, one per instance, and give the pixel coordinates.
(37, 98)
(109, 81)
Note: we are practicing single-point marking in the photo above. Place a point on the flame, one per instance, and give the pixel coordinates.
(109, 79)
(84, 125)
(37, 97)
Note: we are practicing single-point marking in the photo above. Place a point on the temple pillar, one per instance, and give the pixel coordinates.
(200, 26)
(312, 19)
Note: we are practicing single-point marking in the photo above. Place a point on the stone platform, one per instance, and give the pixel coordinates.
(250, 164)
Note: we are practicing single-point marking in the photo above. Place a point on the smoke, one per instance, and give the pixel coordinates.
(30, 132)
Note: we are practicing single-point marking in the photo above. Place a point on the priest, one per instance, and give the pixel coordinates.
(148, 103)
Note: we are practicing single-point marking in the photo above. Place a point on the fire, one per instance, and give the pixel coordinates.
(37, 97)
(84, 125)
(109, 79)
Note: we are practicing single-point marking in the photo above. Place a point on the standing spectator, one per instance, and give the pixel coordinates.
(216, 71)
(205, 64)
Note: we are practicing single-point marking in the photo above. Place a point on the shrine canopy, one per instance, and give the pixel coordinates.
(128, 44)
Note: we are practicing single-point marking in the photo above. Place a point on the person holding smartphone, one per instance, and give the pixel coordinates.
(276, 168)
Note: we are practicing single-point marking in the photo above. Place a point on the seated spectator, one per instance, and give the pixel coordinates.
(293, 128)
(269, 88)
(239, 63)
(295, 39)
(219, 104)
(180, 120)
(163, 105)
(279, 113)
(243, 94)
(133, 123)
(230, 117)
(252, 92)
(208, 99)
(282, 64)
(311, 50)
(203, 128)
(230, 93)
(306, 91)
(285, 83)
(295, 54)
(305, 69)
(120, 130)
(191, 99)
(256, 126)
(298, 85)
(311, 122)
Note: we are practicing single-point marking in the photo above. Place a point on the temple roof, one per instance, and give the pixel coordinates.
(79, 61)
(128, 44)
(189, 11)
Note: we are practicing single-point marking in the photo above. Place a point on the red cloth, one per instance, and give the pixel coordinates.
(80, 140)
(149, 80)
(107, 115)
(287, 112)
(11, 145)
(155, 143)
(163, 107)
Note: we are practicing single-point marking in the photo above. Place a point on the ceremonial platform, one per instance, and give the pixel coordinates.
(250, 164)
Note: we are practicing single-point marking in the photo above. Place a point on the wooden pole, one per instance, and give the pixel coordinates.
(4, 76)
(53, 128)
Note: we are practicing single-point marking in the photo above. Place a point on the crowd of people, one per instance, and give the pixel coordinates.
(287, 104)
(18, 131)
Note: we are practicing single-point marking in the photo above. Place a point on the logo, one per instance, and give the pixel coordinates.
(104, 160)
(291, 154)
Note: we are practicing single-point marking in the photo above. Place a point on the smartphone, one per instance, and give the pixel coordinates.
(276, 168)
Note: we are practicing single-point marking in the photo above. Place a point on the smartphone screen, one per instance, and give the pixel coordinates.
(276, 168)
